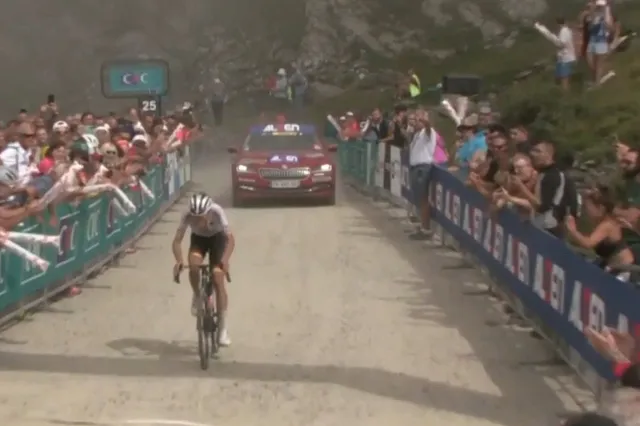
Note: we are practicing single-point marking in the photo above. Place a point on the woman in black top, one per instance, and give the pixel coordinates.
(606, 237)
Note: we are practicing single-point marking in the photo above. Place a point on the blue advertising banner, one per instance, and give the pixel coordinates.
(560, 287)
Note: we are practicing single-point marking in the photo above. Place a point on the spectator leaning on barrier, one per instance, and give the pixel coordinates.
(397, 134)
(551, 200)
(493, 173)
(377, 128)
(351, 128)
(606, 238)
(519, 136)
(512, 195)
(472, 151)
(17, 155)
(421, 156)
(628, 211)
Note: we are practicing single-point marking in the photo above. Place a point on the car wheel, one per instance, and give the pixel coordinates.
(331, 201)
(236, 202)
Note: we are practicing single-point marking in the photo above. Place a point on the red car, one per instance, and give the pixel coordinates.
(283, 160)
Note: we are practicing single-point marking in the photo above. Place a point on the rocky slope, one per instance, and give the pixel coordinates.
(53, 47)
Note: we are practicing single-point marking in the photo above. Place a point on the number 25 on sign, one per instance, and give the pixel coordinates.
(149, 104)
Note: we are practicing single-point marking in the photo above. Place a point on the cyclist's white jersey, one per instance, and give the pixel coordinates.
(216, 222)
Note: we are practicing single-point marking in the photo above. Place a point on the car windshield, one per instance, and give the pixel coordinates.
(280, 142)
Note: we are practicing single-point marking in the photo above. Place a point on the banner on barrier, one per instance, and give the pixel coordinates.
(560, 287)
(90, 232)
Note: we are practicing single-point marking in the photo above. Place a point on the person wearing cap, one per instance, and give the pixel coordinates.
(485, 116)
(218, 99)
(473, 147)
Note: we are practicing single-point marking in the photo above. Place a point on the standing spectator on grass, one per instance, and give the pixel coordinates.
(598, 24)
(566, 55)
(421, 156)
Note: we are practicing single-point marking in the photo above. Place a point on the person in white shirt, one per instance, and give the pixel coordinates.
(17, 154)
(566, 56)
(421, 152)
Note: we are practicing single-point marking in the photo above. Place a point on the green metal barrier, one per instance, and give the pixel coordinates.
(358, 160)
(90, 233)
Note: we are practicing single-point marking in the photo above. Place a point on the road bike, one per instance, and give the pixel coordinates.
(206, 318)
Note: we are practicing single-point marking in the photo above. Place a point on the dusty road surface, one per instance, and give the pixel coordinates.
(336, 319)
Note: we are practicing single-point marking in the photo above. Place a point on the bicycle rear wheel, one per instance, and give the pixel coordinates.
(204, 343)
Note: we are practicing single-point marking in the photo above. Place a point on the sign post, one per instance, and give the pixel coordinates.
(150, 105)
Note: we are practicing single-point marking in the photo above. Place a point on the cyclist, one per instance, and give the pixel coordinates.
(210, 234)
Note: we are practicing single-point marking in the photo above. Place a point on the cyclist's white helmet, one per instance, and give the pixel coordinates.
(200, 204)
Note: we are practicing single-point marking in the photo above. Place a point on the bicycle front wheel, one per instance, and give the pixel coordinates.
(204, 343)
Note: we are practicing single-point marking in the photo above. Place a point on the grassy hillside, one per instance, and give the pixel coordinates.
(583, 121)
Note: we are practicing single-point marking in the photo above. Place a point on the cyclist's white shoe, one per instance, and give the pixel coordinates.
(195, 300)
(223, 338)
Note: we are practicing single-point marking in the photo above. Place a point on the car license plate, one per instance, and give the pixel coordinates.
(285, 184)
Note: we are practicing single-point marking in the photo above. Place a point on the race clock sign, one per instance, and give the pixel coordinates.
(131, 78)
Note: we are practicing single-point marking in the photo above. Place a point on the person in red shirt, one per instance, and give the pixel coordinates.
(351, 127)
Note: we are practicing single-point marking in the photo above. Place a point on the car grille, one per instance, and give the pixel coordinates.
(295, 173)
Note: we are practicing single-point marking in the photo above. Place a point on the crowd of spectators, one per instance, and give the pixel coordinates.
(39, 149)
(515, 168)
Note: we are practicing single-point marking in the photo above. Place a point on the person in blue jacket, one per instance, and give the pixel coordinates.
(474, 144)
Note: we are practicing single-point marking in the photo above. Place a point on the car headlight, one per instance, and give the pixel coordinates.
(326, 168)
(242, 168)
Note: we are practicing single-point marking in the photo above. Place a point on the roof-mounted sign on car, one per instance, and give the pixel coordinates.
(289, 128)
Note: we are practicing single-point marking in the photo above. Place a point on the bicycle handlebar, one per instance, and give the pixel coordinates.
(176, 277)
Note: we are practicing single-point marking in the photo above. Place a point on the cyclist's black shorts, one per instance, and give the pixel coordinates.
(213, 246)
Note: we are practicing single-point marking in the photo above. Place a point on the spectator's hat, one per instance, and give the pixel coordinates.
(103, 128)
(601, 2)
(484, 109)
(140, 140)
(349, 114)
(468, 122)
(60, 126)
(282, 72)
(342, 118)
